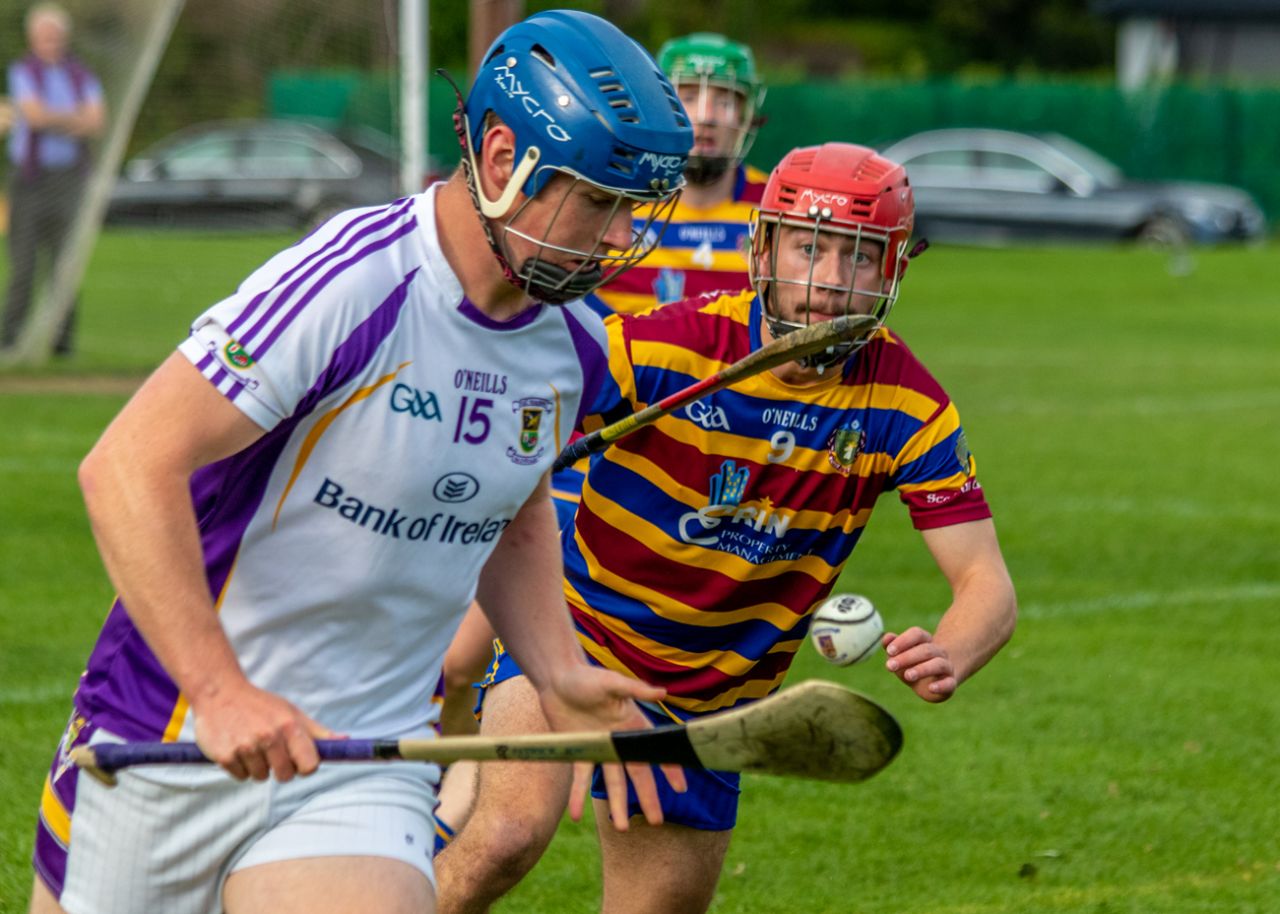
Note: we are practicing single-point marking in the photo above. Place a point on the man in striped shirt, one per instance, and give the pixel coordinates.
(297, 507)
(704, 541)
(703, 250)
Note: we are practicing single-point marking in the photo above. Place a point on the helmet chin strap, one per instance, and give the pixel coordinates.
(554, 284)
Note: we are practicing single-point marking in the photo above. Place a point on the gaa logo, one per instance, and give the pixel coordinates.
(708, 416)
(456, 487)
(405, 399)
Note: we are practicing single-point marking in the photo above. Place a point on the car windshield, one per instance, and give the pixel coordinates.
(1105, 172)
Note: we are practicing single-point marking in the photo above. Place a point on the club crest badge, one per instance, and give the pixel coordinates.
(532, 411)
(844, 446)
(237, 355)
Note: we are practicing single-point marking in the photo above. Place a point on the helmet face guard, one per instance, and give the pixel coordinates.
(708, 62)
(843, 198)
(596, 261)
(587, 104)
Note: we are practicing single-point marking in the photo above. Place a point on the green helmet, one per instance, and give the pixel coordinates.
(714, 57)
(706, 60)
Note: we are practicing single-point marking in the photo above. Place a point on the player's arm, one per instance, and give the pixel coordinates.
(136, 488)
(978, 622)
(85, 120)
(521, 592)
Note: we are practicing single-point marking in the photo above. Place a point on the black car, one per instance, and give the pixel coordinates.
(992, 186)
(254, 173)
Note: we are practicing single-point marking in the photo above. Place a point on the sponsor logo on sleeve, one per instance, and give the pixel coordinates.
(237, 355)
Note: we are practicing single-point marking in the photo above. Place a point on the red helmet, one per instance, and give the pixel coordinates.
(835, 188)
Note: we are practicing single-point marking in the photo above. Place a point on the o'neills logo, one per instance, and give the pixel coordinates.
(237, 355)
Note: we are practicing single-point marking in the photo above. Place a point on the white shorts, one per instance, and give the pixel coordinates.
(167, 837)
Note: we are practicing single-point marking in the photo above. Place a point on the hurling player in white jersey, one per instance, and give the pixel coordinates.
(298, 506)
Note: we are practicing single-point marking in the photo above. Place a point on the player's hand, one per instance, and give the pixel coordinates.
(586, 698)
(252, 734)
(921, 663)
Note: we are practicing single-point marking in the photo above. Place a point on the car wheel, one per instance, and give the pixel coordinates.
(323, 212)
(1170, 235)
(1164, 231)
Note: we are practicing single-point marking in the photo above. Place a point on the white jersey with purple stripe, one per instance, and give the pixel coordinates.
(404, 430)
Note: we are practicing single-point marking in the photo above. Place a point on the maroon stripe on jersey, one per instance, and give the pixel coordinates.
(702, 587)
(699, 684)
(639, 280)
(720, 336)
(969, 504)
(692, 467)
(891, 363)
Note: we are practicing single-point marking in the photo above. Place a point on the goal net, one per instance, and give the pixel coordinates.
(240, 115)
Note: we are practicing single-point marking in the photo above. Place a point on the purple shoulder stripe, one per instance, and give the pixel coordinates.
(289, 281)
(357, 350)
(260, 349)
(594, 359)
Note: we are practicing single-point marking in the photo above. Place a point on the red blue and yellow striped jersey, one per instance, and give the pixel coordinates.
(703, 542)
(702, 250)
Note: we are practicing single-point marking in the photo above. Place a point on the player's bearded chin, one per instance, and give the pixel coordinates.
(704, 170)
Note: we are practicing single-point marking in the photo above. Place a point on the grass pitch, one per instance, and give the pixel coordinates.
(1118, 756)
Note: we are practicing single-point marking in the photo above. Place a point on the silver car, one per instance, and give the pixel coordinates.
(992, 186)
(254, 173)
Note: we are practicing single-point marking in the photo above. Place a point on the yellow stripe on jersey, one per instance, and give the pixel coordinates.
(55, 815)
(929, 435)
(800, 519)
(752, 689)
(694, 556)
(313, 437)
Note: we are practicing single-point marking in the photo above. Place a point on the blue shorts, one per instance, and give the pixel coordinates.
(711, 802)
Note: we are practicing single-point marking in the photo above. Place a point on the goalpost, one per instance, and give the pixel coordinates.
(145, 53)
(154, 22)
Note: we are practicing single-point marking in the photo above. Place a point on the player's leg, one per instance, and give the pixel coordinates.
(687, 850)
(457, 799)
(688, 861)
(469, 654)
(464, 663)
(351, 837)
(517, 809)
(316, 885)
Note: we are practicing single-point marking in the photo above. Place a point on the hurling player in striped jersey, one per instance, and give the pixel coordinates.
(702, 250)
(703, 542)
(297, 507)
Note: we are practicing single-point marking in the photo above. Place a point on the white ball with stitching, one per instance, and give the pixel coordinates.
(846, 628)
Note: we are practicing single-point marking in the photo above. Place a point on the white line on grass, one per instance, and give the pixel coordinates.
(1146, 599)
(37, 694)
(1151, 405)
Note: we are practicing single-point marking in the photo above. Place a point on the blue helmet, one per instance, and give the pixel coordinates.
(580, 96)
